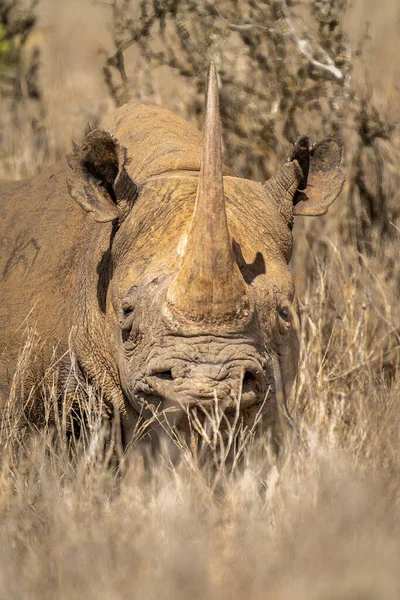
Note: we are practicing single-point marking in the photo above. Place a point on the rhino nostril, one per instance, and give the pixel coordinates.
(165, 375)
(250, 382)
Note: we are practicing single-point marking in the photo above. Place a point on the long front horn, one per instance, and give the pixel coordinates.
(209, 288)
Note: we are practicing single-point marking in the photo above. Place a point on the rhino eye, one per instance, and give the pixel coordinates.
(127, 307)
(127, 311)
(284, 313)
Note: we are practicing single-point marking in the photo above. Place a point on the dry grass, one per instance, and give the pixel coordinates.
(321, 522)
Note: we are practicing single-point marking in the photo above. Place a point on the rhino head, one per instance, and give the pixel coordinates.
(200, 300)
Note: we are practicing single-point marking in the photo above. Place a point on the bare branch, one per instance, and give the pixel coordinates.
(302, 44)
(304, 49)
(251, 27)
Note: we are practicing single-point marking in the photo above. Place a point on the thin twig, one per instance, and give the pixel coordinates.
(304, 49)
(251, 27)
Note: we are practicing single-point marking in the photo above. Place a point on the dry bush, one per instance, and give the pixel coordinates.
(49, 86)
(284, 69)
(79, 517)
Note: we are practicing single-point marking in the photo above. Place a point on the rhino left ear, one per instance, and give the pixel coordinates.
(309, 181)
(99, 182)
(323, 178)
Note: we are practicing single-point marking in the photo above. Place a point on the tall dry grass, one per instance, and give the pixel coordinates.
(80, 519)
(321, 522)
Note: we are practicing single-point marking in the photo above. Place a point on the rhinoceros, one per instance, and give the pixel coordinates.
(165, 272)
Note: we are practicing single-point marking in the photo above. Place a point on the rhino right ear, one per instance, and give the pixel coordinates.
(99, 182)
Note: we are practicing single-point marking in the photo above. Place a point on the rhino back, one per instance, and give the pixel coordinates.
(157, 141)
(40, 237)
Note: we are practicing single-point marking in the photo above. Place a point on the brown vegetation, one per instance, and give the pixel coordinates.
(324, 522)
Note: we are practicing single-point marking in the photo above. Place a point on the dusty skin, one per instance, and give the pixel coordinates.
(172, 284)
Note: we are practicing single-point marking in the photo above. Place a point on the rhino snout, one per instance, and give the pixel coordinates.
(201, 384)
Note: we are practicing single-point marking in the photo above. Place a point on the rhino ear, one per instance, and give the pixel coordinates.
(98, 181)
(309, 181)
(322, 178)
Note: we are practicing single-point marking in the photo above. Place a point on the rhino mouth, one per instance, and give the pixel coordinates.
(245, 391)
(209, 422)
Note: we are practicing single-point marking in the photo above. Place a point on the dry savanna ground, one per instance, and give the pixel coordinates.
(322, 521)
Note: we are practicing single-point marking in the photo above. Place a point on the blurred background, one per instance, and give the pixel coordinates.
(329, 522)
